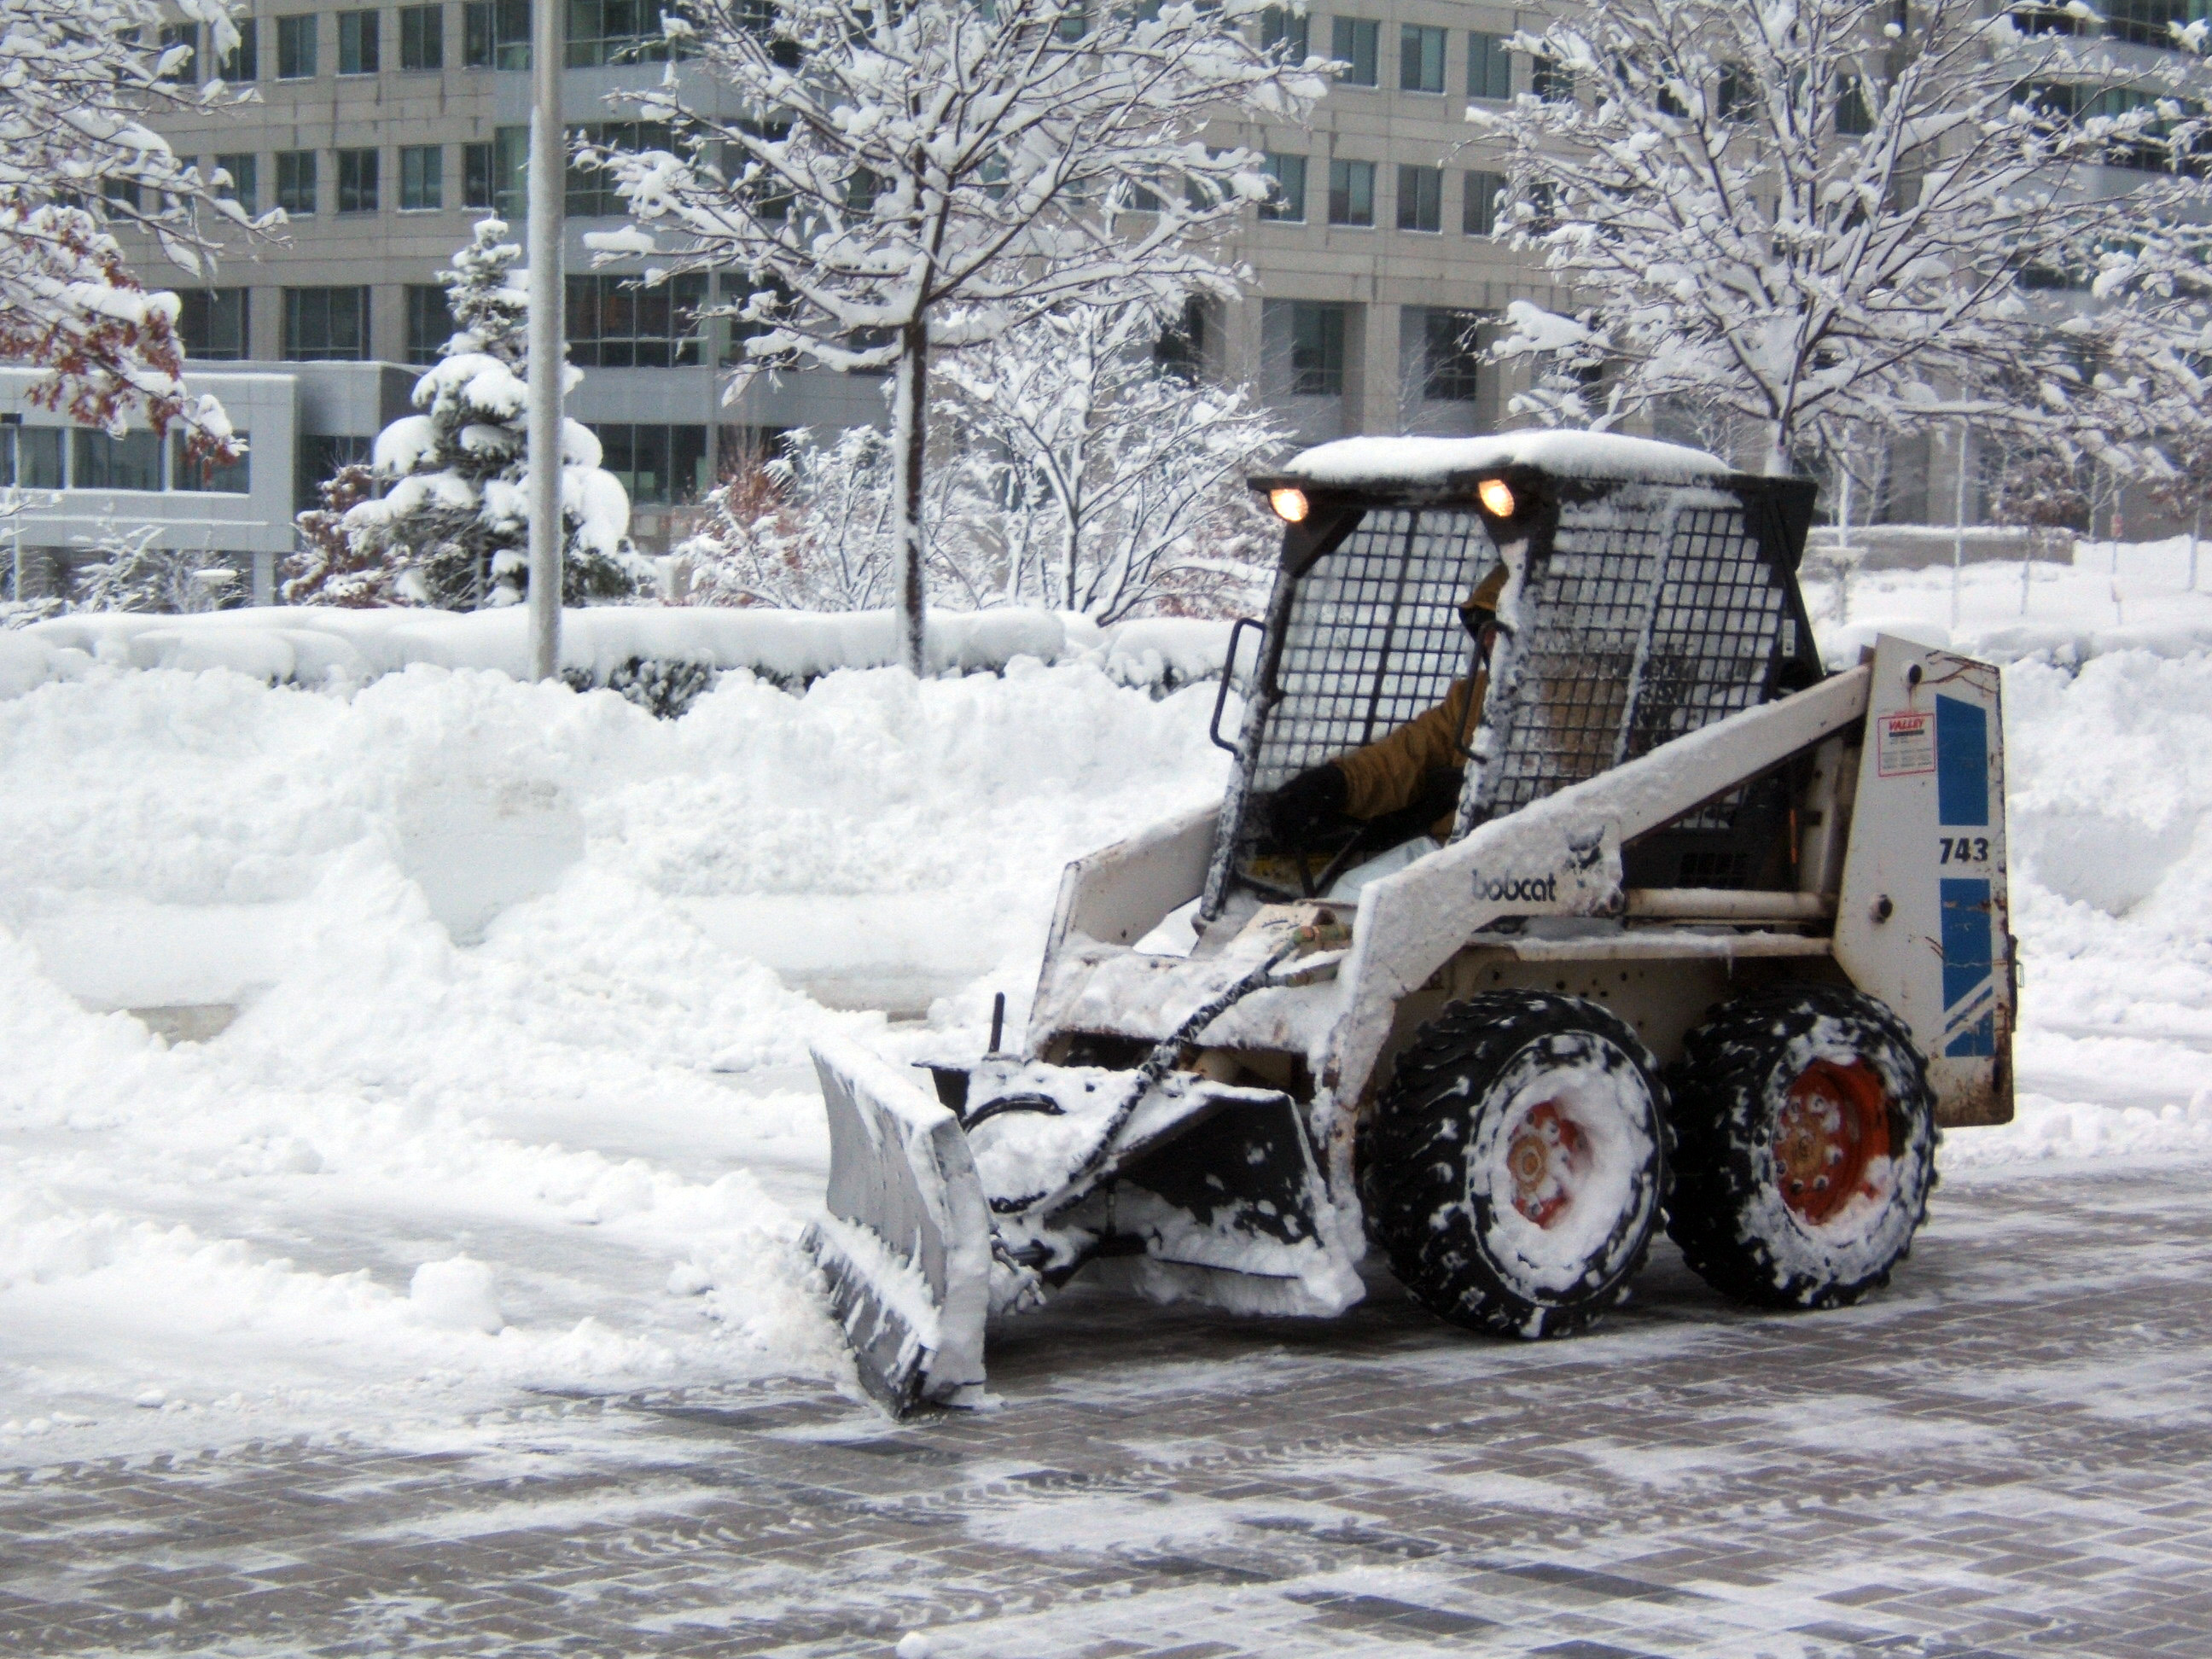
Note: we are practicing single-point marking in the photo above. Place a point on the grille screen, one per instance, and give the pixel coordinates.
(1374, 637)
(1656, 616)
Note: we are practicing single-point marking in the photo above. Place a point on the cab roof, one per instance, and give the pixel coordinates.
(1366, 464)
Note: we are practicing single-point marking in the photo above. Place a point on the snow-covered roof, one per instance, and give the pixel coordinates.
(1353, 462)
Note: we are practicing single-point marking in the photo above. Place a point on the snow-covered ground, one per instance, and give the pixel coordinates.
(517, 1093)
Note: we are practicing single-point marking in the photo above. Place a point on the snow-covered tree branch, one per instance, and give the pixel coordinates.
(1814, 213)
(927, 175)
(78, 79)
(1129, 474)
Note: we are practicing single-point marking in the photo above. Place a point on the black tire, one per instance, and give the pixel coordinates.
(1504, 1206)
(1796, 1185)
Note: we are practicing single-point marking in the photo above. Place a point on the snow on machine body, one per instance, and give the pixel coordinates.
(1716, 941)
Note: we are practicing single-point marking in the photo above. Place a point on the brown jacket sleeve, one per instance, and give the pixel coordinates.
(1387, 775)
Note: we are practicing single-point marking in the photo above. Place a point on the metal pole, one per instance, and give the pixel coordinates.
(548, 353)
(1959, 525)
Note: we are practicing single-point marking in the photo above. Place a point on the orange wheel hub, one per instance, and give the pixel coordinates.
(1832, 1127)
(1549, 1151)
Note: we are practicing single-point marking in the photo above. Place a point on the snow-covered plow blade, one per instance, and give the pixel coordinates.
(906, 1246)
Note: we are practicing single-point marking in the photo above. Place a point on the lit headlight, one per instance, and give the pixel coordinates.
(1290, 505)
(1497, 497)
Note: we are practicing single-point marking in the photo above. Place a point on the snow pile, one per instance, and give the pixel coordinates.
(315, 645)
(2109, 596)
(414, 1173)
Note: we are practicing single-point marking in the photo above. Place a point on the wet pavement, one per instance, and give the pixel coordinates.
(2005, 1455)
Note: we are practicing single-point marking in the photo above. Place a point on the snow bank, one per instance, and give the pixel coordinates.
(1350, 463)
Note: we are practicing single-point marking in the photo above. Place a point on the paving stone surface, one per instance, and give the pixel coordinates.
(2004, 1456)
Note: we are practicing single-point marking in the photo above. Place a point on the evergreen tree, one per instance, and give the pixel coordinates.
(455, 517)
(331, 567)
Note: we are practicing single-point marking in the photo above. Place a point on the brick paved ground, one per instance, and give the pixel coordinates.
(2006, 1455)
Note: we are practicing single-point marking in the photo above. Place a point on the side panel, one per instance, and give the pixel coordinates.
(1924, 918)
(1120, 893)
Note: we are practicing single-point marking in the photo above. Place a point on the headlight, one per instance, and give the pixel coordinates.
(1290, 505)
(1497, 497)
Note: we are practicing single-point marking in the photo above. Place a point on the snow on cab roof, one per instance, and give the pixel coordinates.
(1349, 463)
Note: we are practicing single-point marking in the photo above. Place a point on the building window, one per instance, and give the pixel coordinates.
(1489, 67)
(243, 60)
(1853, 118)
(495, 34)
(1420, 198)
(326, 324)
(1284, 28)
(422, 178)
(295, 48)
(1358, 43)
(1317, 349)
(1420, 58)
(1180, 350)
(592, 193)
(199, 475)
(476, 176)
(1478, 207)
(510, 172)
(422, 37)
(295, 182)
(321, 457)
(614, 32)
(1287, 195)
(429, 322)
(186, 35)
(34, 459)
(614, 322)
(1551, 80)
(98, 461)
(1351, 192)
(2148, 22)
(658, 465)
(245, 186)
(120, 193)
(358, 43)
(213, 324)
(357, 181)
(1449, 356)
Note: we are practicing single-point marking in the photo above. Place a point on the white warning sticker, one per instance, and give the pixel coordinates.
(1907, 745)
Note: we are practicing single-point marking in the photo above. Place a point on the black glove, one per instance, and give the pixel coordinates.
(1309, 804)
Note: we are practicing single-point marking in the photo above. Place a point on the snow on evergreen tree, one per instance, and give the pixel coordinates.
(77, 157)
(454, 516)
(1130, 471)
(331, 566)
(1816, 214)
(898, 180)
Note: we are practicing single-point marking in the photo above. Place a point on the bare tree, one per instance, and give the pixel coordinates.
(926, 174)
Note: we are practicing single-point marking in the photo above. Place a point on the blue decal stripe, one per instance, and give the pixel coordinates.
(1967, 958)
(1962, 762)
(1978, 1042)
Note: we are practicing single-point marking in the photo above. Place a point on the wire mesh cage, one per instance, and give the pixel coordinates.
(1655, 613)
(1374, 637)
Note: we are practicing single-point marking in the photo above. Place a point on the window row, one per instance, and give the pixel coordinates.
(79, 458)
(1351, 195)
(1423, 49)
(357, 180)
(610, 322)
(1441, 349)
(492, 34)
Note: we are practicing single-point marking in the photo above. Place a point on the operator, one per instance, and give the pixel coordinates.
(1415, 772)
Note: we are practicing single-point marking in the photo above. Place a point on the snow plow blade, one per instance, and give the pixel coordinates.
(906, 1246)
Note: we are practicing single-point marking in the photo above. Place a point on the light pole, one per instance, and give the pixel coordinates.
(548, 187)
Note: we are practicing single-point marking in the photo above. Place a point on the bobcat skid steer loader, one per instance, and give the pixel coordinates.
(1714, 940)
